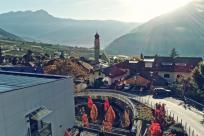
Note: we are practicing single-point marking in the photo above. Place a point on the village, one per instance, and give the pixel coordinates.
(105, 79)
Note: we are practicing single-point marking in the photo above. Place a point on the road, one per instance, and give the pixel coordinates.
(188, 116)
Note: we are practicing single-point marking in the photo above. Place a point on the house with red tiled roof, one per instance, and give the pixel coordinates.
(114, 74)
(173, 69)
(138, 81)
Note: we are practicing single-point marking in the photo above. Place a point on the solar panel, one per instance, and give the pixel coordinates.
(10, 82)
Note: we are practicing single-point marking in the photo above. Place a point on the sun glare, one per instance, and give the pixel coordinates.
(146, 9)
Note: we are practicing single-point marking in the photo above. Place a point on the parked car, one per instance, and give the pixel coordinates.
(161, 93)
(120, 86)
(127, 87)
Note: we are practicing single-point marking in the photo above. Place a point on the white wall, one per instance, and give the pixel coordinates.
(148, 64)
(173, 75)
(112, 80)
(56, 96)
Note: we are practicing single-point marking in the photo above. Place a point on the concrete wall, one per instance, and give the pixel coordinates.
(56, 96)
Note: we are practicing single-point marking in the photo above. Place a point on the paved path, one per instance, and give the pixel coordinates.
(188, 116)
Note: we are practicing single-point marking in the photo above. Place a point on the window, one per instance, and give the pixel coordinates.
(166, 76)
(181, 64)
(167, 63)
(179, 76)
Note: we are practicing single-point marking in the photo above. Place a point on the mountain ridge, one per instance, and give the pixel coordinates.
(182, 29)
(43, 27)
(6, 35)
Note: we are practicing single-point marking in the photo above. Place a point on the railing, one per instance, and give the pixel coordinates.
(110, 94)
(194, 103)
(96, 127)
(117, 96)
(187, 127)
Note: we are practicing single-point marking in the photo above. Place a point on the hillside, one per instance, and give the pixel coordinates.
(40, 26)
(6, 35)
(182, 29)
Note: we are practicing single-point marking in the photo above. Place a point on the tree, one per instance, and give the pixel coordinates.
(1, 56)
(141, 56)
(62, 55)
(14, 61)
(174, 53)
(198, 75)
(28, 56)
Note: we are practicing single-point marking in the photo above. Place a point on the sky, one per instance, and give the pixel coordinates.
(122, 10)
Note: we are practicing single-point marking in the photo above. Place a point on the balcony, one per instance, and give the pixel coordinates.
(45, 130)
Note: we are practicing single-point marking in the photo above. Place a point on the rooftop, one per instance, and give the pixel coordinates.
(113, 71)
(15, 80)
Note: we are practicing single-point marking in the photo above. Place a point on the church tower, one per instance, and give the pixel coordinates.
(97, 47)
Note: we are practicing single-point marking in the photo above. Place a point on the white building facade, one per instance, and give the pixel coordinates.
(34, 105)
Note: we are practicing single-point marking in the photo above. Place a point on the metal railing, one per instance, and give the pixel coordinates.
(194, 103)
(120, 97)
(97, 127)
(110, 94)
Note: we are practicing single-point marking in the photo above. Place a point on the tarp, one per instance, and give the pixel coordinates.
(106, 105)
(94, 113)
(126, 119)
(90, 102)
(110, 115)
(155, 129)
(85, 120)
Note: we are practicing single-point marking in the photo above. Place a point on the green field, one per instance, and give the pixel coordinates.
(19, 48)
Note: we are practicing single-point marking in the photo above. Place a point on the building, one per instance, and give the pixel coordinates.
(114, 74)
(97, 47)
(22, 68)
(172, 68)
(35, 105)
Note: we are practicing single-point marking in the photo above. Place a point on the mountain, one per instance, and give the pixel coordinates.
(182, 29)
(42, 27)
(6, 35)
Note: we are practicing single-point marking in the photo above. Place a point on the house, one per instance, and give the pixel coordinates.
(133, 67)
(86, 66)
(155, 79)
(35, 104)
(137, 81)
(93, 71)
(148, 62)
(172, 68)
(146, 79)
(114, 74)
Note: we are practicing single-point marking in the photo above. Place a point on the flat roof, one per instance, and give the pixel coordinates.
(16, 80)
(149, 60)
